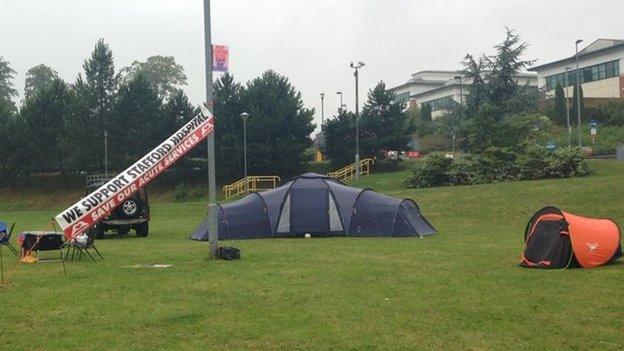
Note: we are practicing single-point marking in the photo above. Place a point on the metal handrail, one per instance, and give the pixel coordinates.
(254, 183)
(348, 172)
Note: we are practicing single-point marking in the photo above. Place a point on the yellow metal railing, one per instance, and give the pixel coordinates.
(348, 172)
(254, 183)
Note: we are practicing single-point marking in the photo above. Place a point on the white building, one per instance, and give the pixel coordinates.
(443, 89)
(600, 65)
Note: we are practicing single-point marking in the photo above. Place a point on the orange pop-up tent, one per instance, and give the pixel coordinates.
(556, 239)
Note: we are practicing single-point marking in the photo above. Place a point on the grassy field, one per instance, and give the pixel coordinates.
(460, 289)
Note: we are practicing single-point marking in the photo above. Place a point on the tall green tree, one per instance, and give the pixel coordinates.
(82, 140)
(43, 115)
(100, 84)
(162, 71)
(39, 78)
(474, 71)
(504, 66)
(279, 125)
(559, 110)
(136, 123)
(340, 138)
(425, 112)
(229, 127)
(7, 92)
(385, 123)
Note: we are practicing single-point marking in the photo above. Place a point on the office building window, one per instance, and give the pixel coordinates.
(586, 74)
(443, 103)
(402, 97)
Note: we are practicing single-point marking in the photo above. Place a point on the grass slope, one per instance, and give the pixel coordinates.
(460, 289)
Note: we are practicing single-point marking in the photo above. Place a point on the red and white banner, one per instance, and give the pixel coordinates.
(82, 215)
(220, 58)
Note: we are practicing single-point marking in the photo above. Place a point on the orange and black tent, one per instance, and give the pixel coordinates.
(557, 239)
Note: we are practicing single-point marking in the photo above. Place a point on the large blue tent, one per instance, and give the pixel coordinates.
(318, 205)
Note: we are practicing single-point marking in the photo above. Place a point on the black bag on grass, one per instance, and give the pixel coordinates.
(229, 253)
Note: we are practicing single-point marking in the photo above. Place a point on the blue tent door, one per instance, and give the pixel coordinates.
(309, 211)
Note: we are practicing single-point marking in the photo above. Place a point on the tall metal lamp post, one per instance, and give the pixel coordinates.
(244, 116)
(341, 105)
(213, 235)
(356, 68)
(322, 109)
(578, 94)
(567, 84)
(461, 106)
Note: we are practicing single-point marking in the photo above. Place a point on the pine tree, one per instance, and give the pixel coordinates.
(38, 78)
(559, 111)
(7, 92)
(385, 124)
(44, 115)
(425, 112)
(340, 138)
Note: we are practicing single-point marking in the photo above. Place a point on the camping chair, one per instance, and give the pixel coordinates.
(5, 237)
(83, 247)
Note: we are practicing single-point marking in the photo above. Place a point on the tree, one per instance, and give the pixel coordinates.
(7, 92)
(162, 71)
(425, 113)
(478, 93)
(82, 135)
(101, 85)
(39, 78)
(574, 104)
(43, 115)
(340, 138)
(505, 65)
(229, 127)
(385, 123)
(136, 123)
(279, 125)
(495, 99)
(559, 111)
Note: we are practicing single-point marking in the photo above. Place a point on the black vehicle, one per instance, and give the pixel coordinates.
(133, 213)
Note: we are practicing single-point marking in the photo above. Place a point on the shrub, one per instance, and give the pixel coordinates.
(497, 164)
(467, 169)
(565, 163)
(181, 192)
(433, 170)
(533, 163)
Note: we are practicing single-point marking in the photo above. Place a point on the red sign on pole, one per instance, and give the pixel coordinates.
(220, 58)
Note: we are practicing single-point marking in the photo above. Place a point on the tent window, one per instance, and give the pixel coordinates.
(335, 225)
(284, 221)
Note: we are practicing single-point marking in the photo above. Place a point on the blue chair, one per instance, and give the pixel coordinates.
(5, 237)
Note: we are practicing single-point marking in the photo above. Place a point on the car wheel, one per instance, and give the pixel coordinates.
(99, 231)
(142, 229)
(130, 207)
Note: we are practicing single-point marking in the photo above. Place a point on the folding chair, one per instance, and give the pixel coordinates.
(83, 248)
(5, 237)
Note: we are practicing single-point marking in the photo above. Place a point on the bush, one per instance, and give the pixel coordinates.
(497, 164)
(433, 170)
(565, 163)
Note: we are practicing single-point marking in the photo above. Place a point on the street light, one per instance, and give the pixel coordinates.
(244, 116)
(341, 104)
(567, 84)
(461, 103)
(213, 228)
(356, 68)
(578, 94)
(322, 109)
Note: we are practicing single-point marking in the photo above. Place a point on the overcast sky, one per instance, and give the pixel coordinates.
(311, 42)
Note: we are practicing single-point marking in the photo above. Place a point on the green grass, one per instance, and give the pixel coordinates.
(460, 289)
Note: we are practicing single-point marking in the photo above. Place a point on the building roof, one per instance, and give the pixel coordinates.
(598, 47)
